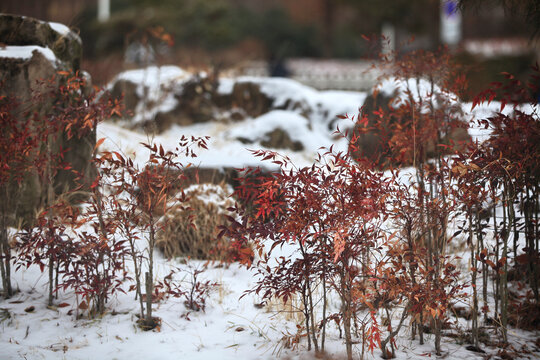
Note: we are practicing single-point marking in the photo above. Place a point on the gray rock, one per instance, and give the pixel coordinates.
(248, 96)
(280, 139)
(22, 30)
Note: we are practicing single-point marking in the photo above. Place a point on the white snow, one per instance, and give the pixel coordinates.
(224, 148)
(154, 78)
(60, 28)
(26, 52)
(422, 91)
(276, 119)
(231, 328)
(295, 125)
(282, 89)
(307, 115)
(486, 110)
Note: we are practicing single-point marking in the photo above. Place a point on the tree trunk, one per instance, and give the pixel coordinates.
(149, 290)
(51, 280)
(306, 314)
(312, 317)
(5, 265)
(149, 275)
(484, 265)
(325, 303)
(496, 232)
(393, 333)
(5, 257)
(474, 272)
(346, 310)
(437, 332)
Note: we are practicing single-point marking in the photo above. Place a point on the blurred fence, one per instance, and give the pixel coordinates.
(331, 74)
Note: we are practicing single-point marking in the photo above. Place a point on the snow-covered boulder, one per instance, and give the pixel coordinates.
(159, 97)
(238, 114)
(49, 38)
(392, 96)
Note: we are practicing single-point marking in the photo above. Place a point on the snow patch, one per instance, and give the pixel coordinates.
(422, 92)
(292, 123)
(153, 77)
(26, 52)
(60, 28)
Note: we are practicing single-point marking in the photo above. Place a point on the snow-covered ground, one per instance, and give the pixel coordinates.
(231, 327)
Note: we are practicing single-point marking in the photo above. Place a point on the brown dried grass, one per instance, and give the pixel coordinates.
(192, 231)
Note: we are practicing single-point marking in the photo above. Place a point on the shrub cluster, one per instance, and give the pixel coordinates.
(333, 214)
(378, 241)
(88, 247)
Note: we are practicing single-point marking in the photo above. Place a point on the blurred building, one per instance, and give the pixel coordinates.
(486, 22)
(486, 33)
(63, 11)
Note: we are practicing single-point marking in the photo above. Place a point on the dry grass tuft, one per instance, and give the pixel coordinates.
(525, 314)
(192, 231)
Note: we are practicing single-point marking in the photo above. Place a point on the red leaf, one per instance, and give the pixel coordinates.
(98, 143)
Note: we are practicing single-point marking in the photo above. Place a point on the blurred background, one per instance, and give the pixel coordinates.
(323, 43)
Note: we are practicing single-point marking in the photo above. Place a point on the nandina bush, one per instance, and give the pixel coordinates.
(472, 194)
(98, 270)
(197, 291)
(52, 239)
(498, 186)
(32, 159)
(125, 203)
(18, 144)
(421, 127)
(331, 217)
(414, 113)
(405, 279)
(141, 196)
(186, 283)
(50, 244)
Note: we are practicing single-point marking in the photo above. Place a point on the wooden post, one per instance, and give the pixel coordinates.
(104, 10)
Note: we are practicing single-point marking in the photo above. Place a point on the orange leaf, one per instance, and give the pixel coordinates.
(98, 143)
(339, 245)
